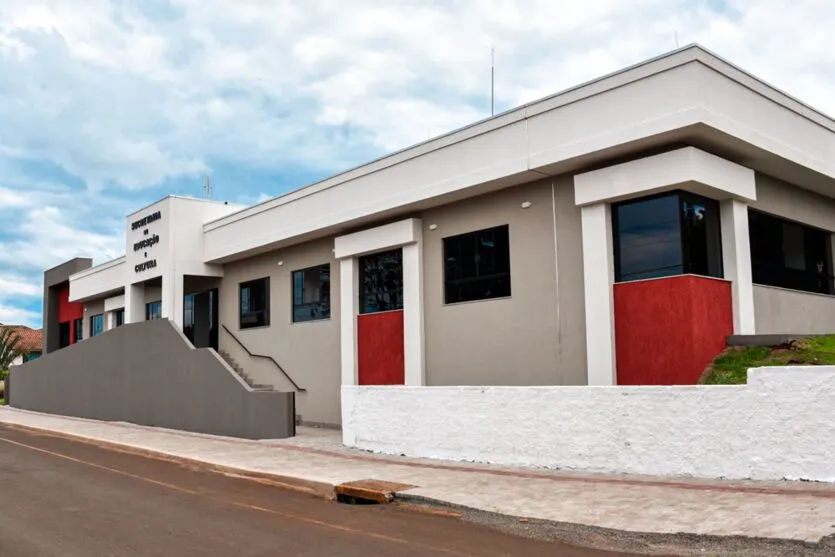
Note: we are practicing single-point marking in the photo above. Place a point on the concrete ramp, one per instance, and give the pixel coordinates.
(148, 373)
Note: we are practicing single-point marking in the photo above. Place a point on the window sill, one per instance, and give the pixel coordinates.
(793, 291)
(308, 321)
(481, 301)
(254, 327)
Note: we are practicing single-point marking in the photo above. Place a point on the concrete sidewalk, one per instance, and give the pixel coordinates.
(316, 461)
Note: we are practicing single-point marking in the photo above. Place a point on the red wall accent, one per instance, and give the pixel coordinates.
(69, 311)
(380, 348)
(668, 330)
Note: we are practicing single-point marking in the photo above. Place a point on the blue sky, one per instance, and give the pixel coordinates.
(107, 106)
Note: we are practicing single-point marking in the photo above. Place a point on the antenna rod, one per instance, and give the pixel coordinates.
(492, 82)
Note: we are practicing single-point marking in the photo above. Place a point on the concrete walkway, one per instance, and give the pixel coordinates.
(316, 461)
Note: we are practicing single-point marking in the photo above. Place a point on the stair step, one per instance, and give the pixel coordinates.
(259, 387)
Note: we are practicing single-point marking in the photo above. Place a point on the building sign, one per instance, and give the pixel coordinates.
(145, 221)
(149, 240)
(146, 243)
(145, 266)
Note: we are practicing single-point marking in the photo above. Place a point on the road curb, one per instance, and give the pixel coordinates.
(322, 490)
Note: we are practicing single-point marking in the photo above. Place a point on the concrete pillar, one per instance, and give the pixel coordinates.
(172, 298)
(736, 261)
(349, 308)
(598, 272)
(135, 303)
(413, 349)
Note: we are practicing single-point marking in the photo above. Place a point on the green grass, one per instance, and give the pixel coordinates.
(731, 367)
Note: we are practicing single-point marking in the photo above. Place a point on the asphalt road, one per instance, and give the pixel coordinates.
(65, 498)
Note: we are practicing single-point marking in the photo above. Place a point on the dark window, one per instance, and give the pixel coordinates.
(78, 326)
(381, 281)
(788, 254)
(153, 310)
(255, 303)
(671, 234)
(119, 317)
(96, 324)
(30, 356)
(188, 316)
(312, 293)
(63, 334)
(477, 265)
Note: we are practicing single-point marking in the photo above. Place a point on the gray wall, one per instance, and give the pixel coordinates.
(537, 335)
(147, 373)
(308, 351)
(53, 279)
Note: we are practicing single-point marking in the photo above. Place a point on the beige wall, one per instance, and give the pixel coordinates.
(789, 312)
(92, 308)
(782, 311)
(308, 351)
(794, 203)
(533, 337)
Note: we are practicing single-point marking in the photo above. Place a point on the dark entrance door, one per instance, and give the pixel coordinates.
(63, 334)
(200, 319)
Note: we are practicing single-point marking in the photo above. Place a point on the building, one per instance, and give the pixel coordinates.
(31, 342)
(615, 233)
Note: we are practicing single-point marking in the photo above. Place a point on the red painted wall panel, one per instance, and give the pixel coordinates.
(69, 311)
(380, 348)
(667, 330)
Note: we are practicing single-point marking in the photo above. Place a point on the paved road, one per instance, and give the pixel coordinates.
(64, 498)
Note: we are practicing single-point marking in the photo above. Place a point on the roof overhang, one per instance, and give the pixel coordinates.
(688, 97)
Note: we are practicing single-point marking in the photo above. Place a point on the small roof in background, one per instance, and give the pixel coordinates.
(31, 340)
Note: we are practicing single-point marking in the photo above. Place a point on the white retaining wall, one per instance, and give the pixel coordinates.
(779, 426)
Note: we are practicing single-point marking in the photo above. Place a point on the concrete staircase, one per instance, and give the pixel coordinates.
(240, 371)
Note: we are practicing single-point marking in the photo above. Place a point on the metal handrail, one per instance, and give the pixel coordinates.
(270, 358)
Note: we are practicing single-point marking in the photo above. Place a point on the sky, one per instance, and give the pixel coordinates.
(106, 106)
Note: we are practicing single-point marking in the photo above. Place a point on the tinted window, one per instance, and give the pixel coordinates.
(78, 327)
(96, 325)
(477, 265)
(153, 310)
(255, 302)
(788, 254)
(119, 317)
(667, 235)
(381, 281)
(312, 293)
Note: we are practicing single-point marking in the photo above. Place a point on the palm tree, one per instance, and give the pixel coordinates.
(9, 348)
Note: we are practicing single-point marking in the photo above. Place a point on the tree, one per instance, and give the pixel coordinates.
(9, 348)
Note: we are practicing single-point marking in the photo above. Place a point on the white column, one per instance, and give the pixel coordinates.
(598, 272)
(413, 313)
(736, 260)
(172, 298)
(135, 303)
(348, 309)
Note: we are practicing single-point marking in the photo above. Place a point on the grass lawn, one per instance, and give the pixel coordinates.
(731, 367)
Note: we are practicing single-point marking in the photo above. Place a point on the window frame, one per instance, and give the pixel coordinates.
(398, 293)
(294, 305)
(683, 235)
(118, 317)
(77, 330)
(265, 281)
(505, 274)
(148, 310)
(93, 319)
(827, 236)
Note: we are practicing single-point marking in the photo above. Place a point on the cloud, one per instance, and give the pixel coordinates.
(107, 106)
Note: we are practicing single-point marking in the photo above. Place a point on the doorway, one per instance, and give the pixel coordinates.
(380, 348)
(200, 318)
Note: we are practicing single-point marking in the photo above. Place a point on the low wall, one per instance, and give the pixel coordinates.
(780, 311)
(779, 426)
(148, 373)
